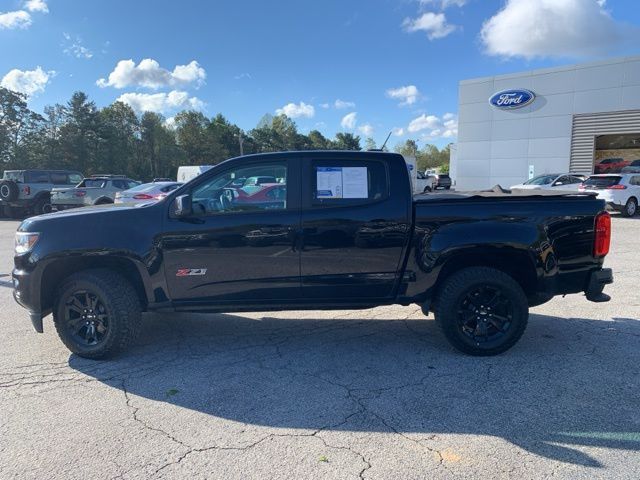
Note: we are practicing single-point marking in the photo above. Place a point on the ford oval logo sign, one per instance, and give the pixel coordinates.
(509, 99)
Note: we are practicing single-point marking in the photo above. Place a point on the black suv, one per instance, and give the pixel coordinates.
(24, 192)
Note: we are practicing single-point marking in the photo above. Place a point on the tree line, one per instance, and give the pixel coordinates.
(114, 139)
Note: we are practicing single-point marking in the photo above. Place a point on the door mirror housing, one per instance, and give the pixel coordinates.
(182, 206)
(558, 183)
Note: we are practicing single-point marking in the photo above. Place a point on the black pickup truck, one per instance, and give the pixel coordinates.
(311, 230)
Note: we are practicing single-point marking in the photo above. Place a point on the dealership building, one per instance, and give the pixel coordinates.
(555, 120)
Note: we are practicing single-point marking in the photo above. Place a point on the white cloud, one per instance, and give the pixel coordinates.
(17, 19)
(446, 127)
(161, 102)
(75, 48)
(553, 28)
(341, 104)
(366, 130)
(37, 6)
(293, 110)
(408, 94)
(28, 82)
(149, 74)
(434, 24)
(325, 105)
(349, 121)
(397, 131)
(170, 123)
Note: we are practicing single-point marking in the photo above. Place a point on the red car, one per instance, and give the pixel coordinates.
(611, 165)
(268, 193)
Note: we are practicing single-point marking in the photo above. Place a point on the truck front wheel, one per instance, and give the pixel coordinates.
(481, 311)
(97, 313)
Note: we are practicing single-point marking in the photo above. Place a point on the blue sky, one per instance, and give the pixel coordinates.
(367, 66)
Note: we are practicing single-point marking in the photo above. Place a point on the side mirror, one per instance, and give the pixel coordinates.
(558, 183)
(182, 206)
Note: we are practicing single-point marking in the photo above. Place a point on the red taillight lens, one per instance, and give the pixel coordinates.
(581, 186)
(617, 187)
(602, 240)
(81, 193)
(142, 196)
(26, 190)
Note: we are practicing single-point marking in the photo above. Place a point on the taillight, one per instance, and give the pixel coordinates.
(80, 193)
(581, 186)
(602, 239)
(26, 190)
(617, 187)
(142, 196)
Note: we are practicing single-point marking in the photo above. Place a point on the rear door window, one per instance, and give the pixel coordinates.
(348, 182)
(37, 177)
(59, 178)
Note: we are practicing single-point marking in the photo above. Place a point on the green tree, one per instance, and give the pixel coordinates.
(79, 134)
(18, 125)
(191, 135)
(119, 132)
(317, 141)
(346, 141)
(409, 148)
(370, 144)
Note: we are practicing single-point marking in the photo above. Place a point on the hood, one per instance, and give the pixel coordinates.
(89, 215)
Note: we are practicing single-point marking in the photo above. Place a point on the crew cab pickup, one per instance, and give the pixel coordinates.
(94, 190)
(332, 230)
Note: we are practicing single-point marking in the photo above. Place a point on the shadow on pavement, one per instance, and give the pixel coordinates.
(568, 384)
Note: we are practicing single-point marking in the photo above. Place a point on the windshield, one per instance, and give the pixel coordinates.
(541, 180)
(602, 182)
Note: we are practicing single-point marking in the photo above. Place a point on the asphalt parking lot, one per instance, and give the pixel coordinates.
(374, 394)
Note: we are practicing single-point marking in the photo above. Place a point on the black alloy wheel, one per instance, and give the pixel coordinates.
(485, 314)
(86, 318)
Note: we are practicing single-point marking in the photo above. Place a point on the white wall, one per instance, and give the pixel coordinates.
(497, 146)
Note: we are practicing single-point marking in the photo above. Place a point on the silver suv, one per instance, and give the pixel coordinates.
(94, 190)
(24, 192)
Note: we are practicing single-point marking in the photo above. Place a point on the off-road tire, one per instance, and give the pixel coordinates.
(122, 305)
(454, 291)
(42, 205)
(9, 190)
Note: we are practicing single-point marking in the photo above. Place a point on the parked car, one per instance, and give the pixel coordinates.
(621, 191)
(552, 181)
(633, 167)
(442, 180)
(94, 190)
(146, 192)
(610, 165)
(349, 235)
(425, 183)
(24, 192)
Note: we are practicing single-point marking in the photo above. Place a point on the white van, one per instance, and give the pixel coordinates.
(190, 172)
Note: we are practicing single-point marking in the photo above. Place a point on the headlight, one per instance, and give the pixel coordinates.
(25, 241)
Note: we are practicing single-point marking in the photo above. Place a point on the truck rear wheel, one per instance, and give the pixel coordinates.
(481, 311)
(97, 313)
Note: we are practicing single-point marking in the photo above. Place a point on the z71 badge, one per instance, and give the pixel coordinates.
(190, 272)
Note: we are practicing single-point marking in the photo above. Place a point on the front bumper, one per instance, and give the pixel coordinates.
(26, 292)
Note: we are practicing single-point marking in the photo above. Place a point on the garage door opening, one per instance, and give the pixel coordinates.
(614, 152)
